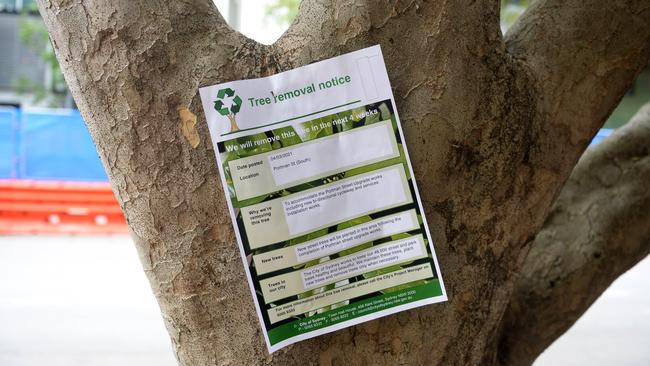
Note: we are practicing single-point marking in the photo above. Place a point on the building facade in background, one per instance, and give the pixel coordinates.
(17, 60)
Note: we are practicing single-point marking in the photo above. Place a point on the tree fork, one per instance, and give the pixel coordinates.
(491, 135)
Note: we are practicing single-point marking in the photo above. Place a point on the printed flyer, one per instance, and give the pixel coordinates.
(322, 196)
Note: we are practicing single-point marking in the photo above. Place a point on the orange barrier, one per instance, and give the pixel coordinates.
(48, 207)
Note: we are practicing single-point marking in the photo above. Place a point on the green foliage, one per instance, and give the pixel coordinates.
(282, 11)
(511, 10)
(33, 34)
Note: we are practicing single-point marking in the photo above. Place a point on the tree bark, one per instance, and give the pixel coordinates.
(494, 129)
(599, 227)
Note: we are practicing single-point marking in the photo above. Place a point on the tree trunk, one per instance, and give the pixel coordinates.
(494, 125)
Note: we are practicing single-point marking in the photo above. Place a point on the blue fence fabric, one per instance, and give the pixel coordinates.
(47, 144)
(601, 135)
(54, 144)
(8, 145)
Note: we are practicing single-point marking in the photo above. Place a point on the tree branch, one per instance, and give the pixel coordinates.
(98, 41)
(129, 65)
(330, 27)
(598, 229)
(559, 41)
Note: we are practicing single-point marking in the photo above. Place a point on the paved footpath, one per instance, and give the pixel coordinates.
(77, 301)
(80, 301)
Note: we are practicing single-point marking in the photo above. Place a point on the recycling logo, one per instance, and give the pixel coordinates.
(221, 107)
(223, 95)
